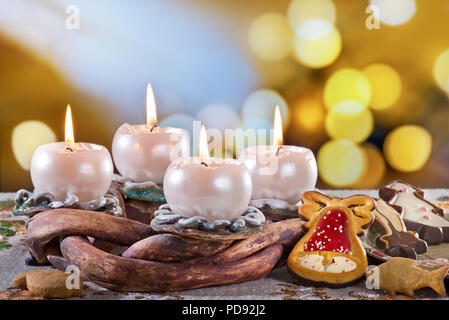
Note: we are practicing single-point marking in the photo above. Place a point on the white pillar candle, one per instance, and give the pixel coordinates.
(208, 187)
(280, 172)
(84, 169)
(143, 152)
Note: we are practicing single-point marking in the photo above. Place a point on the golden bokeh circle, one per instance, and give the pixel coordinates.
(386, 85)
(340, 163)
(270, 37)
(347, 84)
(374, 168)
(349, 120)
(300, 11)
(407, 148)
(441, 70)
(317, 49)
(26, 137)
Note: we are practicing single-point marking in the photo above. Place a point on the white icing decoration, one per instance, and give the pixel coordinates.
(315, 262)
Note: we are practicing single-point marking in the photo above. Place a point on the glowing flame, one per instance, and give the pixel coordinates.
(277, 128)
(151, 107)
(203, 146)
(69, 136)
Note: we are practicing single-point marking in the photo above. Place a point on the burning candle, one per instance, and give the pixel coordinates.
(142, 153)
(278, 171)
(209, 187)
(83, 169)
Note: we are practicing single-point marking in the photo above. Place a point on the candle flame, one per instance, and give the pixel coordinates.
(69, 136)
(277, 128)
(203, 146)
(151, 108)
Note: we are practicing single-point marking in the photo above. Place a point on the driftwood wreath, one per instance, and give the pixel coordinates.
(154, 260)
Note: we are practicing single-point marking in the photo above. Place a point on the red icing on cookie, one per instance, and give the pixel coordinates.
(330, 234)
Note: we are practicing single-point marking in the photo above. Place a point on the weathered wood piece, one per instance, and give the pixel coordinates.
(284, 232)
(125, 274)
(168, 247)
(48, 225)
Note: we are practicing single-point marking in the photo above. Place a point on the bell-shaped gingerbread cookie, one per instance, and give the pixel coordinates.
(330, 253)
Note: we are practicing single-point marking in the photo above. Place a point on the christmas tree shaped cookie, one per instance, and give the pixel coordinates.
(419, 215)
(330, 254)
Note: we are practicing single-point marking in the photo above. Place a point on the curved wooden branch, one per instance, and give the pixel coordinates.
(125, 274)
(169, 247)
(48, 225)
(284, 232)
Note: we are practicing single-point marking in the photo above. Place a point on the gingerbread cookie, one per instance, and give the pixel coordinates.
(401, 275)
(361, 205)
(419, 214)
(330, 254)
(46, 283)
(395, 240)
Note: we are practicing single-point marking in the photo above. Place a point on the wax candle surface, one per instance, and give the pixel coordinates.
(219, 190)
(143, 153)
(85, 170)
(280, 172)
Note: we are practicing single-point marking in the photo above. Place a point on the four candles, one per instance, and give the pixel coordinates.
(193, 186)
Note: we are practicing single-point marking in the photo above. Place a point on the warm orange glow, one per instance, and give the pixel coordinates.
(277, 128)
(69, 136)
(203, 146)
(151, 107)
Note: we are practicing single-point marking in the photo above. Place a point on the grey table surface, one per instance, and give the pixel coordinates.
(278, 285)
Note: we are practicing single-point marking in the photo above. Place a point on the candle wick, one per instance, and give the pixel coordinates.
(69, 149)
(152, 128)
(204, 164)
(277, 151)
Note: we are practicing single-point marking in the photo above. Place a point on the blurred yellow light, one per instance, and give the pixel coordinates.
(385, 83)
(261, 104)
(347, 85)
(395, 12)
(340, 163)
(300, 11)
(309, 115)
(374, 168)
(408, 148)
(270, 37)
(317, 44)
(26, 137)
(349, 120)
(441, 70)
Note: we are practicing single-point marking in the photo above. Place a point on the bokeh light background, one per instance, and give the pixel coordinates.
(371, 103)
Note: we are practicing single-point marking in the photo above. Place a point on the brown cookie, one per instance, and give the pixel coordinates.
(47, 283)
(20, 281)
(402, 275)
(360, 205)
(419, 214)
(395, 239)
